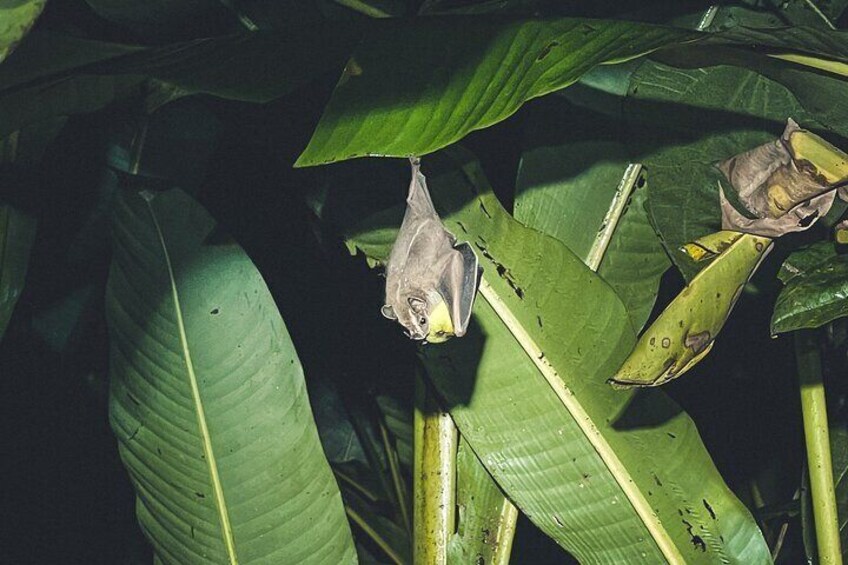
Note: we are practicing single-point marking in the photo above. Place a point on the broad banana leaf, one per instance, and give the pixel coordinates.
(613, 477)
(447, 77)
(450, 76)
(683, 121)
(572, 169)
(208, 400)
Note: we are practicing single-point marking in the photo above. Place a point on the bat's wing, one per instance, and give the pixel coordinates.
(418, 199)
(458, 286)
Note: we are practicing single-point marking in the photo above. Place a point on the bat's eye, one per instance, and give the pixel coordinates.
(422, 321)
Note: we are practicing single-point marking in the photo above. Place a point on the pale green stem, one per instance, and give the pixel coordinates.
(708, 17)
(381, 542)
(820, 14)
(243, 19)
(434, 514)
(364, 491)
(817, 438)
(364, 8)
(614, 213)
(397, 477)
(506, 533)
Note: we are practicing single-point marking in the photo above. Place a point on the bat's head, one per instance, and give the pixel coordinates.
(424, 316)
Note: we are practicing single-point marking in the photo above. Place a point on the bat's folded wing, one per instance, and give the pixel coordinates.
(458, 286)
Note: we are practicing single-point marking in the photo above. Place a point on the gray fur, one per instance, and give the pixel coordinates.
(425, 267)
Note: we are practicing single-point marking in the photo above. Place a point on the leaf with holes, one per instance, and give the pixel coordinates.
(569, 178)
(681, 122)
(448, 77)
(208, 400)
(612, 476)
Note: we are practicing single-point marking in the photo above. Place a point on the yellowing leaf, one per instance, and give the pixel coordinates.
(684, 333)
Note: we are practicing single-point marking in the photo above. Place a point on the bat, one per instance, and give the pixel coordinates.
(431, 280)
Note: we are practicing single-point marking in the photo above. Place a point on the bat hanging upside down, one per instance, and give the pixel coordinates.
(430, 280)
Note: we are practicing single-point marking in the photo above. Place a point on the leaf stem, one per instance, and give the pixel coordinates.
(434, 505)
(707, 18)
(814, 411)
(364, 8)
(203, 426)
(820, 14)
(397, 476)
(616, 209)
(372, 533)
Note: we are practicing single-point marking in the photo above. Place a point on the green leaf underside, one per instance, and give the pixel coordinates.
(567, 179)
(680, 124)
(448, 77)
(816, 290)
(537, 451)
(16, 19)
(208, 400)
(17, 232)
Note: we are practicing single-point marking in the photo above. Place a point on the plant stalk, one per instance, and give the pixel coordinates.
(814, 410)
(434, 506)
(614, 213)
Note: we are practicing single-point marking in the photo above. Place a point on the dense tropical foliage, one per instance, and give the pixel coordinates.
(197, 202)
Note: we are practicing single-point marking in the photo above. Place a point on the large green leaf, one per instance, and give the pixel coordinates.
(16, 19)
(17, 232)
(570, 172)
(449, 76)
(682, 121)
(613, 477)
(208, 400)
(816, 290)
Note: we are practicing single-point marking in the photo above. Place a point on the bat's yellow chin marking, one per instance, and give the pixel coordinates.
(441, 325)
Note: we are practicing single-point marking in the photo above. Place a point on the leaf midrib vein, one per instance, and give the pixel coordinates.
(613, 464)
(217, 487)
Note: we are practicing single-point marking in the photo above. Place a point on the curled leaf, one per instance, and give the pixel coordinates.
(800, 218)
(684, 333)
(786, 185)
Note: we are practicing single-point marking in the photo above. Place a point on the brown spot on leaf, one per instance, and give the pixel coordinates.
(697, 342)
(666, 342)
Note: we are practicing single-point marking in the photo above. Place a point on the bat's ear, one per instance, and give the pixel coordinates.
(388, 312)
(458, 286)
